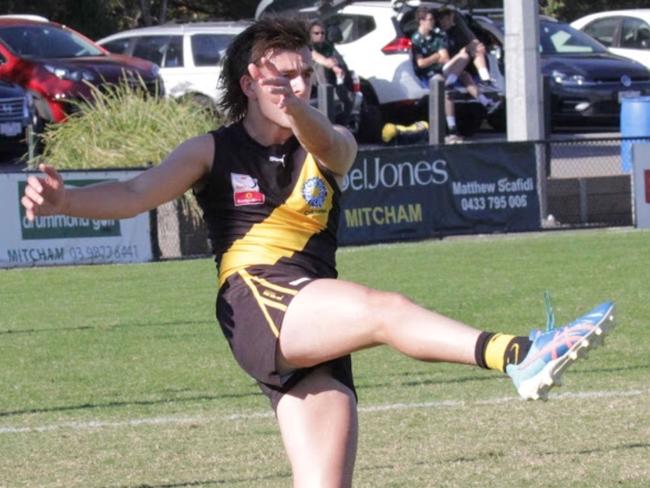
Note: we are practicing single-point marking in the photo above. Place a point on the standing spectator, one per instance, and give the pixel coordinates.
(333, 68)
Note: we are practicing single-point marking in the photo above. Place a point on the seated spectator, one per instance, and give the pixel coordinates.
(463, 43)
(334, 71)
(430, 54)
(458, 57)
(324, 53)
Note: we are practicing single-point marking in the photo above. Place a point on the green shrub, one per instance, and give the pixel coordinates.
(121, 128)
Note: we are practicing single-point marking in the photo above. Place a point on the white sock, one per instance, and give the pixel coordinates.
(451, 122)
(484, 74)
(451, 79)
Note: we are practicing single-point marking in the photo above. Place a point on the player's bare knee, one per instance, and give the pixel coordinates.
(383, 309)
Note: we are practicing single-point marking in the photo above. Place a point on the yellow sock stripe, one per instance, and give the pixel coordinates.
(495, 351)
(260, 300)
(273, 286)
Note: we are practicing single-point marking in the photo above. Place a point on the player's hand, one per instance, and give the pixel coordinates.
(44, 195)
(272, 81)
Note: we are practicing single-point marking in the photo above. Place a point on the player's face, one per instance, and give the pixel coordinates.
(296, 67)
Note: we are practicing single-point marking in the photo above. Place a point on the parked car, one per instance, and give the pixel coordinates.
(189, 55)
(623, 32)
(58, 65)
(190, 58)
(587, 82)
(375, 42)
(16, 114)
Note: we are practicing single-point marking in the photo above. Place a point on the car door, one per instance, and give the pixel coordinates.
(625, 36)
(203, 64)
(634, 40)
(166, 50)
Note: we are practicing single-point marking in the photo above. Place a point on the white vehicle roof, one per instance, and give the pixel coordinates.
(225, 27)
(642, 13)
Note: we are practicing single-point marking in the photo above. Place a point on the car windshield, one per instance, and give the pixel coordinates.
(47, 42)
(558, 38)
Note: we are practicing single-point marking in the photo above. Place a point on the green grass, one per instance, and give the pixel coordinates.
(117, 376)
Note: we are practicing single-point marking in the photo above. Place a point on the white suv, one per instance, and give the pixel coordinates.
(189, 55)
(374, 40)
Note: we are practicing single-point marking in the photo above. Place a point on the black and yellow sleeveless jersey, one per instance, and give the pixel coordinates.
(263, 207)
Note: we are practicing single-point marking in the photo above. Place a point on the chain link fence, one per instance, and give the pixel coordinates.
(588, 182)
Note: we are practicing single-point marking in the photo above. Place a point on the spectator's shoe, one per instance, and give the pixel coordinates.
(556, 349)
(489, 84)
(493, 106)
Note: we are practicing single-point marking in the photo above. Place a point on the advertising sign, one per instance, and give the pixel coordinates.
(60, 239)
(412, 192)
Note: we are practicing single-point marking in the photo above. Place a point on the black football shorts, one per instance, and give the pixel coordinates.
(250, 308)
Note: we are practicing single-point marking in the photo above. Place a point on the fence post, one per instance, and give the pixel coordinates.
(543, 151)
(31, 143)
(436, 110)
(326, 100)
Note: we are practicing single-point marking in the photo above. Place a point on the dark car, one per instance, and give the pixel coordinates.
(587, 82)
(16, 112)
(57, 65)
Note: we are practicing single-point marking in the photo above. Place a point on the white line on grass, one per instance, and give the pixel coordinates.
(94, 424)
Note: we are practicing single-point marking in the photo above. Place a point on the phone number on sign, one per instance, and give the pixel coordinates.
(103, 252)
(500, 202)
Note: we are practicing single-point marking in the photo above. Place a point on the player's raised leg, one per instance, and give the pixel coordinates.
(332, 318)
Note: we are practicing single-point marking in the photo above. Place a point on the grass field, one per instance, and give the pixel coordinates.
(117, 376)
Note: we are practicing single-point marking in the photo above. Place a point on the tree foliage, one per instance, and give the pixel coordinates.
(99, 18)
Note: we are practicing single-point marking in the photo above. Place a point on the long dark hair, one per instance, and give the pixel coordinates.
(250, 46)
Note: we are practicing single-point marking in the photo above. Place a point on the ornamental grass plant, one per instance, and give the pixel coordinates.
(122, 127)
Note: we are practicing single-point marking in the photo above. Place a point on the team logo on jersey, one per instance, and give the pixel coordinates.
(314, 192)
(245, 190)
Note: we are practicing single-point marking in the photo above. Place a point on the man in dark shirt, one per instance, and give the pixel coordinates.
(462, 43)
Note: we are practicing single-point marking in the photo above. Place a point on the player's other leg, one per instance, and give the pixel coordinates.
(318, 423)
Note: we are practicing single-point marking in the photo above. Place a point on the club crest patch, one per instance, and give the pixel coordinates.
(314, 192)
(245, 190)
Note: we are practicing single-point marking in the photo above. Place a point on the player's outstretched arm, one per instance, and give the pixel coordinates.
(183, 168)
(333, 146)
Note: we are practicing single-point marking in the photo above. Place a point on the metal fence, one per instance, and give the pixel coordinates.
(588, 182)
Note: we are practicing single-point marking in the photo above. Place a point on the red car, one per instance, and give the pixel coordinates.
(56, 65)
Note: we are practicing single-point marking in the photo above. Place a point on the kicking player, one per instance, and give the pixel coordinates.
(268, 185)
